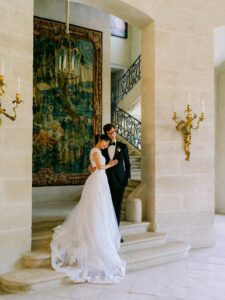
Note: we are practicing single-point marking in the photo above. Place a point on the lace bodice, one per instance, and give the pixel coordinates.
(102, 158)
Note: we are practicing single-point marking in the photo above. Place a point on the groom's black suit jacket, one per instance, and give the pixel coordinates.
(118, 175)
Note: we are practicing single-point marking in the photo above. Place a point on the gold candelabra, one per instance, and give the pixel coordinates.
(186, 126)
(16, 102)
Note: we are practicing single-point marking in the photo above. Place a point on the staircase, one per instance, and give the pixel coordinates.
(140, 249)
(135, 160)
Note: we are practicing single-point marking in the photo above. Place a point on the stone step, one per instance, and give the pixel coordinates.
(127, 228)
(127, 192)
(134, 158)
(123, 215)
(133, 152)
(136, 165)
(133, 183)
(29, 279)
(32, 280)
(136, 175)
(168, 252)
(143, 240)
(37, 259)
(42, 239)
(41, 258)
(48, 224)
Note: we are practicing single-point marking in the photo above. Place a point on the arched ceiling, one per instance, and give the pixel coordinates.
(120, 9)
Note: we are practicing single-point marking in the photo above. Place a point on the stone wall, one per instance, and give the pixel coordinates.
(182, 199)
(16, 30)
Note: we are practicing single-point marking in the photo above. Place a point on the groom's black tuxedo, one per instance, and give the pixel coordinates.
(118, 175)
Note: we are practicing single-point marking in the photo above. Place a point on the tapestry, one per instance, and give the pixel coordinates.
(67, 99)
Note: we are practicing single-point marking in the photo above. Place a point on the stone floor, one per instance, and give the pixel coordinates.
(199, 277)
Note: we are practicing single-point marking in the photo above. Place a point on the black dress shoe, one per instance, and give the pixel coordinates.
(121, 241)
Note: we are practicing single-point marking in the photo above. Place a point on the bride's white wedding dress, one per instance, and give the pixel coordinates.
(85, 246)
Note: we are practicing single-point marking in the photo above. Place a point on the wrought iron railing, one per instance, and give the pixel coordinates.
(123, 85)
(127, 126)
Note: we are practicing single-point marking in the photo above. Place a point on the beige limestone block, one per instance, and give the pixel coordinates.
(200, 79)
(19, 5)
(169, 149)
(197, 165)
(206, 183)
(168, 78)
(16, 242)
(182, 23)
(1, 191)
(167, 132)
(164, 113)
(169, 202)
(198, 201)
(184, 220)
(163, 38)
(6, 43)
(199, 62)
(56, 193)
(19, 139)
(21, 22)
(167, 166)
(18, 167)
(21, 46)
(168, 96)
(177, 184)
(4, 19)
(22, 67)
(17, 191)
(167, 58)
(13, 216)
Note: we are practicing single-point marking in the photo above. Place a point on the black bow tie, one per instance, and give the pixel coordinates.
(112, 143)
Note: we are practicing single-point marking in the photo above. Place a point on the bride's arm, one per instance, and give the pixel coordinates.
(99, 166)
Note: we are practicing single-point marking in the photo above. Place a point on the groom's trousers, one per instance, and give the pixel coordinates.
(117, 198)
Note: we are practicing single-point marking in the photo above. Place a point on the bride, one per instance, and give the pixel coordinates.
(85, 247)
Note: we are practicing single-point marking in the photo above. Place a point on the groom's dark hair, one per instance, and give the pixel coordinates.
(108, 127)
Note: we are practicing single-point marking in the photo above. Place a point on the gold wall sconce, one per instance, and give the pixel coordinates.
(186, 126)
(16, 102)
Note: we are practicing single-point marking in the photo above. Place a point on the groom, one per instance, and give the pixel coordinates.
(118, 175)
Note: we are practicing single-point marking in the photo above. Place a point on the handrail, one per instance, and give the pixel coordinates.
(124, 84)
(127, 126)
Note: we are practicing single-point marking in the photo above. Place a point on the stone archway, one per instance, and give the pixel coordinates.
(219, 66)
(146, 25)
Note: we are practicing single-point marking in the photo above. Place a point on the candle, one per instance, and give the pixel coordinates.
(3, 67)
(18, 85)
(189, 98)
(203, 106)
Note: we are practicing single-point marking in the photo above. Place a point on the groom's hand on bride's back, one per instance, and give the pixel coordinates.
(91, 169)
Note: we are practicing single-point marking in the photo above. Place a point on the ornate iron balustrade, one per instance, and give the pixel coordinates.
(126, 82)
(127, 126)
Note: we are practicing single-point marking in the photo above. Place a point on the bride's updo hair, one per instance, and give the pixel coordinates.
(100, 137)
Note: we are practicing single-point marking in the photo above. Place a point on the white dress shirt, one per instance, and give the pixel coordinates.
(111, 151)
